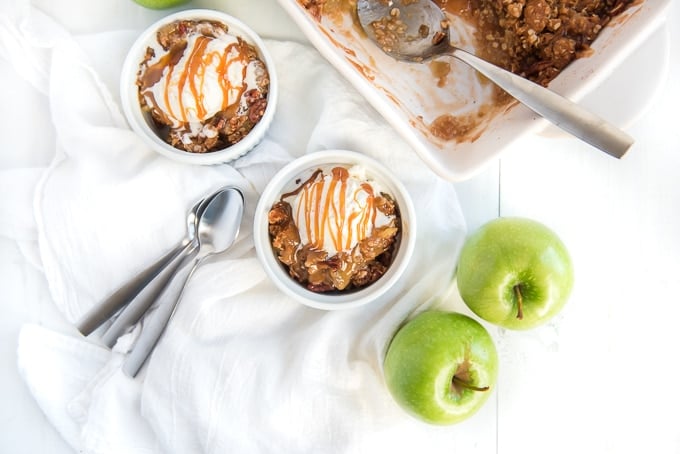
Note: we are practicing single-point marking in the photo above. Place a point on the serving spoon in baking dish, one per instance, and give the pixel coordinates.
(418, 31)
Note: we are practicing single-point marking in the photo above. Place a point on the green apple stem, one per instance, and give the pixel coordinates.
(518, 294)
(463, 384)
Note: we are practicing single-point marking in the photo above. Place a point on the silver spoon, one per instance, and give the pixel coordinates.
(420, 32)
(134, 311)
(129, 291)
(218, 227)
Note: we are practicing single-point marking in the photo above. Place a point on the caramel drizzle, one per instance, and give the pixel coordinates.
(193, 77)
(327, 215)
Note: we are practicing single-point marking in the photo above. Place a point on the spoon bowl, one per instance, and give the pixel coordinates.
(406, 31)
(218, 225)
(418, 31)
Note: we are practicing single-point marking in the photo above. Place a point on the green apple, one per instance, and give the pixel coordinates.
(441, 367)
(515, 273)
(160, 4)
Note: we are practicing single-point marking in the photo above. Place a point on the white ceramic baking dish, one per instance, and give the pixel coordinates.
(409, 99)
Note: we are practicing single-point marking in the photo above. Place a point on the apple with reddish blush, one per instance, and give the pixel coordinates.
(515, 273)
(441, 367)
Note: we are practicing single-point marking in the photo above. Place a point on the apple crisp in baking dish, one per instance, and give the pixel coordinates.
(535, 39)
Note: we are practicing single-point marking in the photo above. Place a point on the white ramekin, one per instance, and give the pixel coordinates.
(285, 181)
(141, 122)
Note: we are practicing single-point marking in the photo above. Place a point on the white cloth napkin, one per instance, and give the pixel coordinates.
(241, 368)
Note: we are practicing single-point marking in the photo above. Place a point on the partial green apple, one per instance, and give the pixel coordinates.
(160, 4)
(515, 273)
(441, 367)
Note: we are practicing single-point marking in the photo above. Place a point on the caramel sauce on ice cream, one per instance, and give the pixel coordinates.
(192, 83)
(334, 212)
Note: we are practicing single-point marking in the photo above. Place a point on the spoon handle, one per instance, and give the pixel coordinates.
(152, 330)
(557, 109)
(134, 311)
(107, 308)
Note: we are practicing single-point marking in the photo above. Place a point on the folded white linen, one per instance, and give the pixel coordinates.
(241, 367)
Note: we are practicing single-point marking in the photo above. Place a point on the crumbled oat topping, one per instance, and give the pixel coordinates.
(539, 38)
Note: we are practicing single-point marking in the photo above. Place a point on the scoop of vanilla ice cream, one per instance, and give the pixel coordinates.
(336, 209)
(210, 76)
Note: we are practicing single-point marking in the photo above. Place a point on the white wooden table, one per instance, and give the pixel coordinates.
(602, 378)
